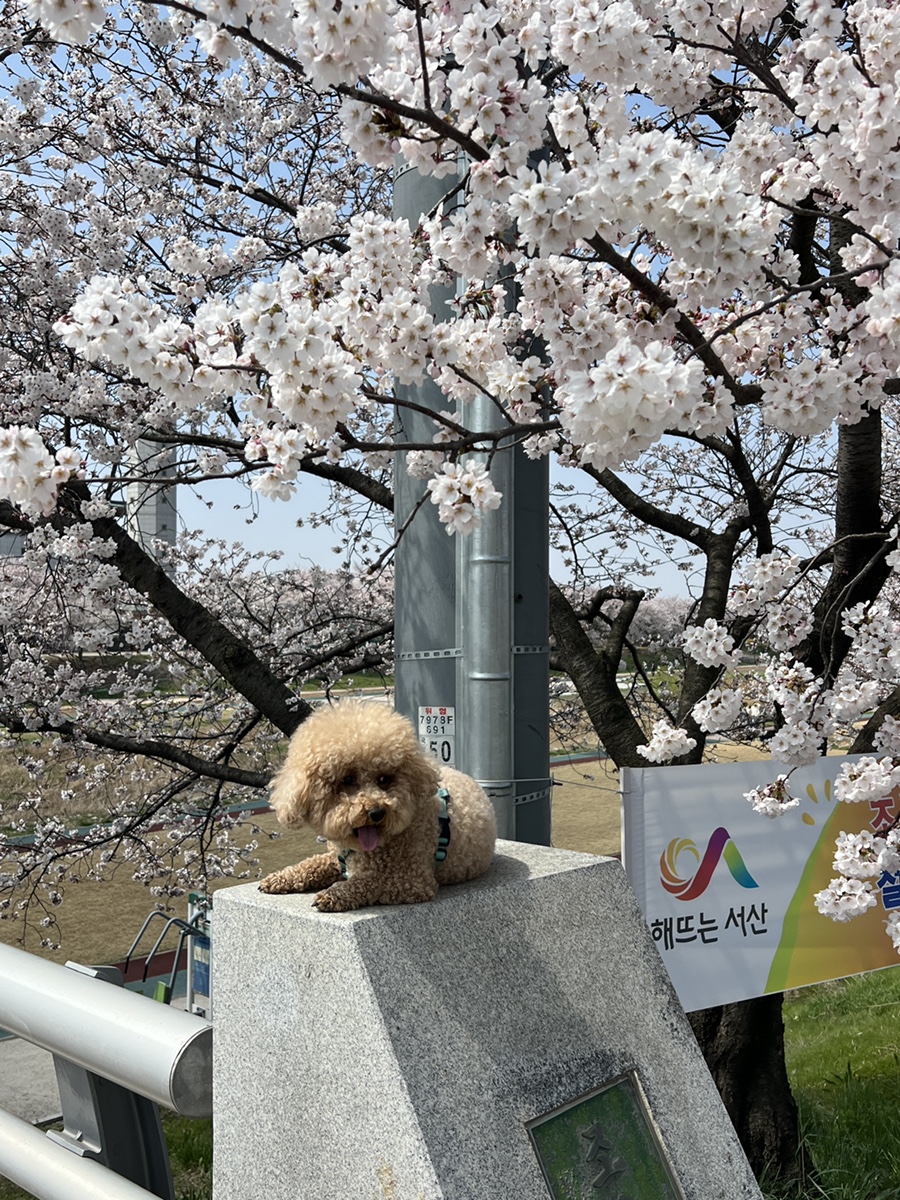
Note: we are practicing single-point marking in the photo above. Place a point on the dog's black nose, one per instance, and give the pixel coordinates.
(376, 814)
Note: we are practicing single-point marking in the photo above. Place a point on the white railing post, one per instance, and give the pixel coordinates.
(47, 1170)
(109, 1123)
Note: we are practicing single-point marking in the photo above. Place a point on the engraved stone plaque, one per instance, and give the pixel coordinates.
(604, 1146)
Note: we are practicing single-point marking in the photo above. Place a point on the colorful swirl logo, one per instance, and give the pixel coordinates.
(719, 846)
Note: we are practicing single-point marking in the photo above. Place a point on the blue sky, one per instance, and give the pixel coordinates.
(275, 526)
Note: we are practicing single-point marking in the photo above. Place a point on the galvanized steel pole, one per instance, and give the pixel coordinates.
(485, 632)
(472, 613)
(425, 562)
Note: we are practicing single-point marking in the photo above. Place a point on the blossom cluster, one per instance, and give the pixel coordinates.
(30, 476)
(772, 799)
(68, 20)
(462, 492)
(719, 709)
(866, 780)
(667, 741)
(845, 898)
(865, 855)
(618, 373)
(763, 580)
(623, 405)
(710, 644)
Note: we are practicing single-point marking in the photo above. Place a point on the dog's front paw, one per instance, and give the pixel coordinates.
(306, 876)
(278, 883)
(332, 900)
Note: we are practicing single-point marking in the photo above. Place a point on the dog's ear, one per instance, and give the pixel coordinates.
(421, 772)
(291, 795)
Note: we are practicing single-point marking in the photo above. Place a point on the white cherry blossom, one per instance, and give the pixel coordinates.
(710, 644)
(718, 709)
(845, 899)
(462, 492)
(666, 742)
(772, 799)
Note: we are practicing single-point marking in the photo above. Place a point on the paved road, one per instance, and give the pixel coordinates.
(27, 1081)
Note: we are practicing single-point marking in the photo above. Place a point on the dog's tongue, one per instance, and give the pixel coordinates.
(368, 836)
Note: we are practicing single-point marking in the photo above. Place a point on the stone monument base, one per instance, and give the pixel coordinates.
(515, 1039)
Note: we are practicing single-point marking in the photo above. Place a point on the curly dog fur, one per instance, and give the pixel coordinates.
(356, 774)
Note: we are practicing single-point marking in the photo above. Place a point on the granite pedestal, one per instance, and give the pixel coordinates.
(515, 1039)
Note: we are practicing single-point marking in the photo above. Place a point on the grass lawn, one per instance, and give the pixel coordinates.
(190, 1152)
(844, 1060)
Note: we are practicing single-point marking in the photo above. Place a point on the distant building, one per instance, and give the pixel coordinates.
(151, 511)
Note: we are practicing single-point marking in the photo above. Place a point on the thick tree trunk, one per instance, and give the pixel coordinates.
(859, 570)
(743, 1045)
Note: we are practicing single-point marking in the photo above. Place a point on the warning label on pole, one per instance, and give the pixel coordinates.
(437, 732)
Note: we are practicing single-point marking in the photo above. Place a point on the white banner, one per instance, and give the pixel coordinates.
(728, 894)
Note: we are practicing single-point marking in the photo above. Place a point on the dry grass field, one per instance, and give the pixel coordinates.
(98, 922)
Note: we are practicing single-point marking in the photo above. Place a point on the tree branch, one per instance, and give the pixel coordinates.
(594, 674)
(147, 748)
(667, 522)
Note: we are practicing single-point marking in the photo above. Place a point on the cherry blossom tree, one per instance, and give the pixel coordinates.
(134, 751)
(672, 229)
(144, 687)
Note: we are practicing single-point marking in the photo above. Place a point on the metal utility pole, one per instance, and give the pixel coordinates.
(472, 612)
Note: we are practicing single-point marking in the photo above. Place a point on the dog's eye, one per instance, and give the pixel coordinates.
(349, 779)
(385, 781)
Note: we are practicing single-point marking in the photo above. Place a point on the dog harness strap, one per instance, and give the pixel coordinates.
(444, 822)
(342, 859)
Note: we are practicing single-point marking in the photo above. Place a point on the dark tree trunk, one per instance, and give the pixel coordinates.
(743, 1045)
(859, 570)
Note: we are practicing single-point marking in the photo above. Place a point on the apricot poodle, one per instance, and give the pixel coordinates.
(396, 823)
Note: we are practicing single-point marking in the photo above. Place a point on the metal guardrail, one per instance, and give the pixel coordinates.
(157, 1051)
(117, 1055)
(46, 1169)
